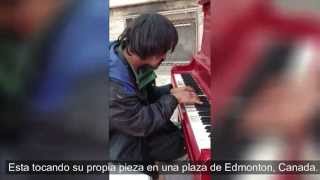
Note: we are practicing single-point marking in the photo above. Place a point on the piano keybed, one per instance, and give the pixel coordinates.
(199, 114)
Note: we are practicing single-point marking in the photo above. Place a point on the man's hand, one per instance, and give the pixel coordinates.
(185, 95)
(185, 88)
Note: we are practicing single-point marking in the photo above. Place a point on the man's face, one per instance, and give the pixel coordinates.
(154, 61)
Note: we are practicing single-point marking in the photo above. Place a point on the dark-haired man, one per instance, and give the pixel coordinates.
(140, 126)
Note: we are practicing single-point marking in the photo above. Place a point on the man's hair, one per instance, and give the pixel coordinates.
(148, 35)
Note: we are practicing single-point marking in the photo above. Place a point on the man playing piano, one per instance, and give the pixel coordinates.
(140, 126)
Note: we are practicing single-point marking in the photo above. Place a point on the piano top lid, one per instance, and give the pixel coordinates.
(203, 1)
(204, 55)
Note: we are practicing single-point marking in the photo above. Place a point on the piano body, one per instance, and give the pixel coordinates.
(196, 119)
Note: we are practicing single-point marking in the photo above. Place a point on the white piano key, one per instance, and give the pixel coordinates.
(179, 80)
(197, 126)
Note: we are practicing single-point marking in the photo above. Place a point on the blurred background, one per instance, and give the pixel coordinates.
(54, 96)
(266, 82)
(53, 90)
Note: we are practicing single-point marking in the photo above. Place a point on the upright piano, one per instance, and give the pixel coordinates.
(196, 119)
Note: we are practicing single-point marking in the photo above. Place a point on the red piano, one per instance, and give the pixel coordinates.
(196, 119)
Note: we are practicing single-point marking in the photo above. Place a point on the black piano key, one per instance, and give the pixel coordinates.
(211, 135)
(204, 113)
(204, 104)
(189, 81)
(205, 119)
(202, 109)
(203, 98)
(206, 123)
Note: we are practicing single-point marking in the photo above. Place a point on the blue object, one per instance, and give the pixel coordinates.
(118, 71)
(80, 47)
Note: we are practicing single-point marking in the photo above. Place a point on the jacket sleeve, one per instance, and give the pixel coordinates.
(162, 90)
(158, 91)
(131, 116)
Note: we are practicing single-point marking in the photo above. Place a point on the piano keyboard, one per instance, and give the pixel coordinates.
(198, 114)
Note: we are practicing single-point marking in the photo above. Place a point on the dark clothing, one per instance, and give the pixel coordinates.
(140, 126)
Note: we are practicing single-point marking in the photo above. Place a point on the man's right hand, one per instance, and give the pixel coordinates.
(185, 88)
(185, 95)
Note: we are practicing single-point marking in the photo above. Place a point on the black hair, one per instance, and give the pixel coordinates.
(148, 35)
